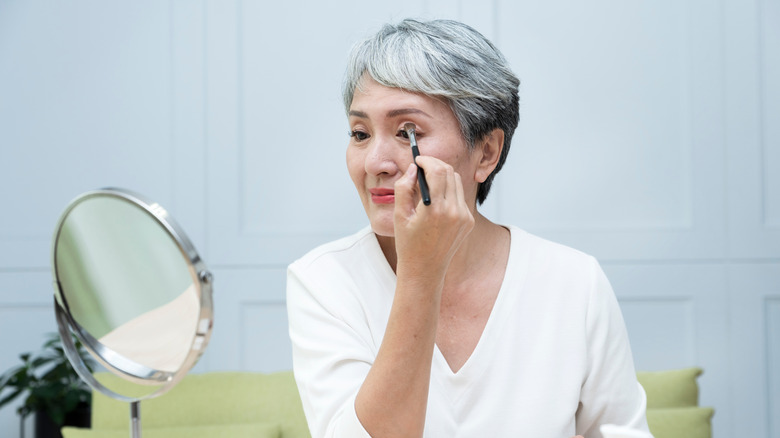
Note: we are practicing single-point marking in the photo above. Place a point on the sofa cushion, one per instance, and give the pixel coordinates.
(672, 388)
(256, 430)
(214, 398)
(687, 422)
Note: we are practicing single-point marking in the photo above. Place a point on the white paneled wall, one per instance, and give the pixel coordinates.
(677, 315)
(755, 347)
(649, 137)
(619, 151)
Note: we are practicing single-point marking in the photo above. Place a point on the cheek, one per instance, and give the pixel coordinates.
(451, 152)
(355, 165)
(458, 156)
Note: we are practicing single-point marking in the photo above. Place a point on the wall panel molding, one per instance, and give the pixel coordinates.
(755, 304)
(691, 302)
(769, 73)
(772, 334)
(56, 130)
(270, 201)
(649, 187)
(188, 120)
(753, 137)
(264, 346)
(676, 337)
(250, 328)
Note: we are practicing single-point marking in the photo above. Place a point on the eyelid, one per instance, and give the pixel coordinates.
(405, 122)
(357, 127)
(356, 134)
(417, 133)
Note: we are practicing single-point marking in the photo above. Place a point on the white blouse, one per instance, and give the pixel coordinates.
(553, 360)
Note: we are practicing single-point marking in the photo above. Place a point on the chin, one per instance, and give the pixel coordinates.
(382, 226)
(381, 219)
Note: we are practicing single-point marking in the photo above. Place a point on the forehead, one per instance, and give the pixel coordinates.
(372, 99)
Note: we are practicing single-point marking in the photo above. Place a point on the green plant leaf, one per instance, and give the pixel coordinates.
(41, 361)
(9, 376)
(51, 383)
(10, 397)
(23, 377)
(57, 416)
(46, 392)
(53, 340)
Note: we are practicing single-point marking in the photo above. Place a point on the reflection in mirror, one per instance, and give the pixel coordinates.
(171, 324)
(132, 288)
(125, 273)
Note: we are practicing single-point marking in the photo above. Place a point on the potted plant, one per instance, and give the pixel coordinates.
(55, 393)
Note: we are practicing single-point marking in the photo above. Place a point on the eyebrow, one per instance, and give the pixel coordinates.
(405, 111)
(392, 113)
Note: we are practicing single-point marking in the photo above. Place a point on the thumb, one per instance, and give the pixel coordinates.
(405, 190)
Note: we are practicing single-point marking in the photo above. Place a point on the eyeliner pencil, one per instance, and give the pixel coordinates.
(410, 132)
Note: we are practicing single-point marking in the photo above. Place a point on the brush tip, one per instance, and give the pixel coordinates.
(409, 127)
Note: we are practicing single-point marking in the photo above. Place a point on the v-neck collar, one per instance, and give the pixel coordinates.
(478, 360)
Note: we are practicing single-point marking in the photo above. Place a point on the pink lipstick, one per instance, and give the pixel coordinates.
(382, 196)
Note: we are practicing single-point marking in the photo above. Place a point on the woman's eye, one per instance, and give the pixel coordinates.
(403, 133)
(359, 135)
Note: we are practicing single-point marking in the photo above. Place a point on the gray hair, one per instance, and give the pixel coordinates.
(448, 60)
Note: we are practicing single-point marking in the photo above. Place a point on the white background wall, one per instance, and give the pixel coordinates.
(649, 137)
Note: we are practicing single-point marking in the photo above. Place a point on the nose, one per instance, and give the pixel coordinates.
(383, 157)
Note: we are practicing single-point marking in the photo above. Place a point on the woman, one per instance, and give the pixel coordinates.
(434, 321)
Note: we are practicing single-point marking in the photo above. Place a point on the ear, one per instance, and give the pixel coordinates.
(489, 151)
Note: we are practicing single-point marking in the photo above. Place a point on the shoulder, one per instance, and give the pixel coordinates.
(347, 268)
(553, 275)
(347, 279)
(336, 252)
(543, 254)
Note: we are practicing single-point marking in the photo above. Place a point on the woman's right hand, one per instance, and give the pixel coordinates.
(392, 400)
(427, 236)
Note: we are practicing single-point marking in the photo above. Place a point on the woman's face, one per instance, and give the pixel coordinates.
(378, 153)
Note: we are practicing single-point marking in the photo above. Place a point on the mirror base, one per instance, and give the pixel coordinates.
(135, 419)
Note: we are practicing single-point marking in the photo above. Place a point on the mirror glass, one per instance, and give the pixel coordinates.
(131, 287)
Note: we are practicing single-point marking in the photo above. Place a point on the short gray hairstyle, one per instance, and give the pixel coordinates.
(449, 60)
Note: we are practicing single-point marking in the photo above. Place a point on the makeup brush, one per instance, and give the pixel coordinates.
(410, 132)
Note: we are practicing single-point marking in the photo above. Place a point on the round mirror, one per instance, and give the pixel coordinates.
(131, 287)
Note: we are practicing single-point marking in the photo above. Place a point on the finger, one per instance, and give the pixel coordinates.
(460, 195)
(405, 191)
(435, 174)
(452, 185)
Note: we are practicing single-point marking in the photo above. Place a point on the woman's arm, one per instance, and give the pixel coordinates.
(393, 398)
(349, 387)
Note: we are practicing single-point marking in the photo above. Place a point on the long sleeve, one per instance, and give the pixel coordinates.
(611, 393)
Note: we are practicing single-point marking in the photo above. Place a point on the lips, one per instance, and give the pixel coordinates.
(382, 196)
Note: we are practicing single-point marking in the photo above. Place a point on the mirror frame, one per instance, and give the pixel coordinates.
(115, 362)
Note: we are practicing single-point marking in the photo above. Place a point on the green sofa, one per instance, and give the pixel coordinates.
(208, 405)
(673, 409)
(243, 405)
